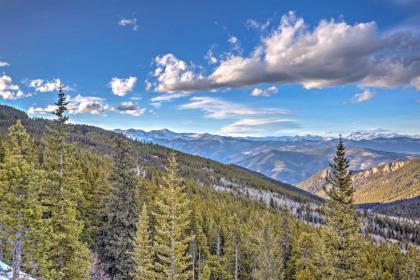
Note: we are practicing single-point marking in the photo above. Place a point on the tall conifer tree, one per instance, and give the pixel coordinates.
(117, 234)
(269, 259)
(343, 245)
(20, 207)
(173, 223)
(143, 254)
(68, 254)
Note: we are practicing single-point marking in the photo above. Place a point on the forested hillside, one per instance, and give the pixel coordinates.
(384, 183)
(105, 207)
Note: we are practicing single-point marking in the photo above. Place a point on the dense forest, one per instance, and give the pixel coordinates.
(78, 202)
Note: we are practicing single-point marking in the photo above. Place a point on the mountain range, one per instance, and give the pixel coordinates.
(290, 159)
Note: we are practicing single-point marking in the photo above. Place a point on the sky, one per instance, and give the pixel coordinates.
(240, 68)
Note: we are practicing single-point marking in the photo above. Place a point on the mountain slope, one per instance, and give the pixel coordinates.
(150, 157)
(287, 159)
(384, 183)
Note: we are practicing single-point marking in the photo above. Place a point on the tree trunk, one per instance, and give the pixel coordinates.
(236, 262)
(17, 256)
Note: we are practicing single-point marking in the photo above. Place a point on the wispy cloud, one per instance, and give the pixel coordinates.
(215, 108)
(210, 57)
(166, 97)
(264, 92)
(332, 53)
(254, 24)
(364, 96)
(121, 87)
(132, 22)
(9, 90)
(256, 126)
(4, 64)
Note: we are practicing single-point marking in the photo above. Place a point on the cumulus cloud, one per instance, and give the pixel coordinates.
(364, 96)
(264, 92)
(129, 22)
(9, 90)
(255, 126)
(77, 105)
(332, 53)
(4, 64)
(40, 85)
(130, 108)
(215, 108)
(121, 87)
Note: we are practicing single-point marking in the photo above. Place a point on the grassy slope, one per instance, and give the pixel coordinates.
(384, 183)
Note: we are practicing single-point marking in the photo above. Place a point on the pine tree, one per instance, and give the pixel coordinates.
(343, 245)
(304, 258)
(117, 234)
(20, 207)
(69, 256)
(173, 235)
(143, 254)
(269, 261)
(2, 151)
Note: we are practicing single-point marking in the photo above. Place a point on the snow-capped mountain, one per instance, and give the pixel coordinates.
(290, 159)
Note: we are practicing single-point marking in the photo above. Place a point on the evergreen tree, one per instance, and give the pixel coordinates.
(343, 246)
(269, 261)
(68, 255)
(20, 207)
(143, 254)
(117, 234)
(305, 257)
(2, 151)
(173, 224)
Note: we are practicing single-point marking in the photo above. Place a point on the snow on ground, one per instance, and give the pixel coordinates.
(6, 273)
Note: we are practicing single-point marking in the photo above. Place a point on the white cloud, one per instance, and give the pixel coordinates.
(333, 53)
(158, 100)
(129, 22)
(235, 44)
(215, 108)
(364, 96)
(40, 85)
(87, 104)
(256, 126)
(210, 57)
(174, 75)
(77, 105)
(120, 87)
(148, 85)
(42, 110)
(131, 109)
(253, 24)
(233, 40)
(4, 64)
(9, 90)
(264, 92)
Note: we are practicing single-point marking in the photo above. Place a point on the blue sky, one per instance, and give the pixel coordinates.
(224, 67)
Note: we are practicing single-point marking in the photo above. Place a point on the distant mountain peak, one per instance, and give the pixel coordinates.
(370, 134)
